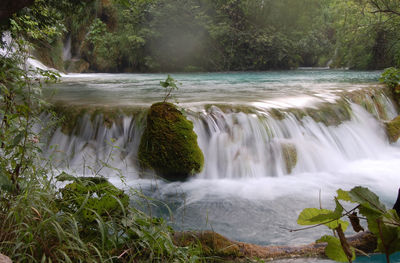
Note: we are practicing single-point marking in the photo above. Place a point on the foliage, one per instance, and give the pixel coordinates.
(169, 85)
(383, 223)
(90, 197)
(366, 35)
(391, 77)
(178, 35)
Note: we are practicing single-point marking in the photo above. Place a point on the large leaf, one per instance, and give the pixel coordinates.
(334, 249)
(367, 199)
(315, 216)
(344, 195)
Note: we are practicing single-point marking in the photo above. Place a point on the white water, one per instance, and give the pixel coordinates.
(10, 47)
(67, 49)
(245, 191)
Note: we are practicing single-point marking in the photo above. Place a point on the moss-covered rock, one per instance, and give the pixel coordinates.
(169, 145)
(89, 196)
(393, 129)
(289, 154)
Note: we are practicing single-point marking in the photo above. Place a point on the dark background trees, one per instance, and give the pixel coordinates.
(222, 35)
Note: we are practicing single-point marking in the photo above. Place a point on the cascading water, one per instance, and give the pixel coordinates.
(67, 49)
(266, 156)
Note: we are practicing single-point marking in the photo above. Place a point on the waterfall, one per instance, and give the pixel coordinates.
(67, 48)
(10, 47)
(237, 144)
(264, 161)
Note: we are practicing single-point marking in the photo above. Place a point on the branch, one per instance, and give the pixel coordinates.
(390, 11)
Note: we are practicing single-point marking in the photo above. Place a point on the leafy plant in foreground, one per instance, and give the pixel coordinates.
(383, 223)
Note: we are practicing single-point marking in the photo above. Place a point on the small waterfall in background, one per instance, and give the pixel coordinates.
(67, 48)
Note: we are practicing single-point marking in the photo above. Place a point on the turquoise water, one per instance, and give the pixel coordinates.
(395, 258)
(244, 88)
(379, 259)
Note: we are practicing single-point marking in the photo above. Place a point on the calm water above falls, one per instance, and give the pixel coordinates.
(245, 191)
(274, 89)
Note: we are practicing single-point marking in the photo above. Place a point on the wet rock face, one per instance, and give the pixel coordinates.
(76, 65)
(289, 153)
(393, 129)
(169, 144)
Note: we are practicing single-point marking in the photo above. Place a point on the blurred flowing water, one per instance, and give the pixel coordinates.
(244, 122)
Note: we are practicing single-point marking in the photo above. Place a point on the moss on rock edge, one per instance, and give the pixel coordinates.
(169, 144)
(393, 129)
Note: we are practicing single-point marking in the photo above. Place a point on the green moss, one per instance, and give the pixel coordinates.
(331, 114)
(289, 154)
(277, 114)
(393, 129)
(212, 244)
(89, 196)
(71, 115)
(169, 145)
(229, 108)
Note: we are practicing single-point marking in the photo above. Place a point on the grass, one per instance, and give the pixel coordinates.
(35, 227)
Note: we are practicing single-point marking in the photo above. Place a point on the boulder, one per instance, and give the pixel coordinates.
(169, 144)
(4, 259)
(393, 129)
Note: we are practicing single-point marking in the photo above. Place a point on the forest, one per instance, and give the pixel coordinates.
(228, 35)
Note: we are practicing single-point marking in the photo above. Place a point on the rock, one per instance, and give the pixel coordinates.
(289, 154)
(76, 65)
(96, 194)
(169, 144)
(393, 129)
(4, 259)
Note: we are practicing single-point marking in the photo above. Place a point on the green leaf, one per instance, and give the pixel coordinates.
(334, 249)
(18, 138)
(343, 195)
(367, 199)
(315, 216)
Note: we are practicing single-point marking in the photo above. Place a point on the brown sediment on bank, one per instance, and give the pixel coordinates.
(214, 244)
